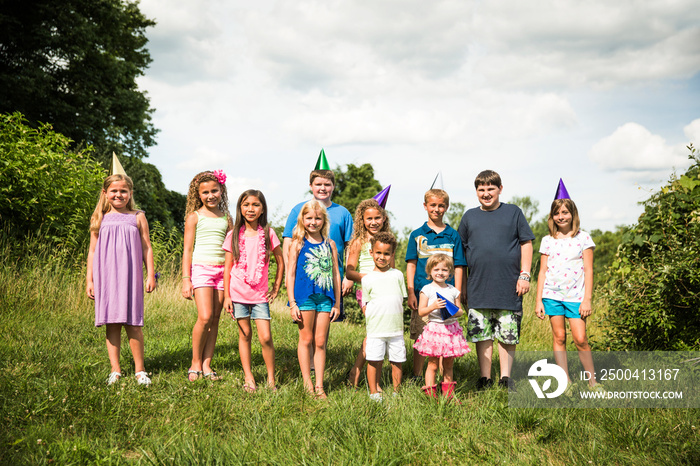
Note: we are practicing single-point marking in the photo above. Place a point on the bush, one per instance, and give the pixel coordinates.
(655, 277)
(45, 189)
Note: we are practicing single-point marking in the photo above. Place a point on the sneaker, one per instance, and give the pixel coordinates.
(142, 378)
(376, 397)
(507, 383)
(484, 383)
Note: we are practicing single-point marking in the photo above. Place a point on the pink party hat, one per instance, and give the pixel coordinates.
(562, 193)
(382, 196)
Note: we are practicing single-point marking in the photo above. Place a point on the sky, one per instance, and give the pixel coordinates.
(605, 95)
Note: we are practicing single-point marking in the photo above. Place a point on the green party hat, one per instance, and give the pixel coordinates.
(322, 162)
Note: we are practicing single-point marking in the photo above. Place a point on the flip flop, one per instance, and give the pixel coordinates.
(213, 376)
(250, 388)
(197, 376)
(114, 378)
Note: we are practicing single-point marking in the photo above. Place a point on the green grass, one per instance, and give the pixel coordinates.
(56, 408)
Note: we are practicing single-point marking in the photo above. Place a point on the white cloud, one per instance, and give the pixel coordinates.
(634, 150)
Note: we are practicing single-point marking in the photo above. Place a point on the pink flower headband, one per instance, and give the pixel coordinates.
(220, 176)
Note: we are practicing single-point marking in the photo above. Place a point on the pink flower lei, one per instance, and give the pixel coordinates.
(242, 259)
(220, 176)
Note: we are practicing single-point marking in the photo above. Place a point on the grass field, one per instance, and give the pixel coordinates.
(57, 409)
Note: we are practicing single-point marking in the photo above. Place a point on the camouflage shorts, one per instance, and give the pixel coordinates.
(494, 324)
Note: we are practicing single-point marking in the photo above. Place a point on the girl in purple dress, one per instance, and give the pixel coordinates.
(119, 246)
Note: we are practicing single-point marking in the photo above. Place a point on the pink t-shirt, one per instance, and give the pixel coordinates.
(242, 292)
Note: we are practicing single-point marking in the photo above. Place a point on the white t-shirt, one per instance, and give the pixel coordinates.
(564, 279)
(383, 293)
(450, 294)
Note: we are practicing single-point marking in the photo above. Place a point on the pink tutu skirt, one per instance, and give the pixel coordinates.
(439, 340)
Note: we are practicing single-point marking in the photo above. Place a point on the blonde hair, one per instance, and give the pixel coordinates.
(439, 193)
(240, 222)
(558, 204)
(299, 232)
(436, 259)
(194, 202)
(359, 231)
(103, 204)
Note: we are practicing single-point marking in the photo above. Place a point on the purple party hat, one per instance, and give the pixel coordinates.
(450, 308)
(382, 196)
(562, 193)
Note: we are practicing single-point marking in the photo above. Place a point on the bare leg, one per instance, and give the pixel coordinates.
(114, 345)
(578, 333)
(558, 324)
(323, 322)
(135, 335)
(396, 372)
(374, 370)
(204, 298)
(356, 371)
(505, 354)
(447, 369)
(304, 349)
(431, 371)
(212, 334)
(484, 352)
(268, 349)
(418, 362)
(244, 338)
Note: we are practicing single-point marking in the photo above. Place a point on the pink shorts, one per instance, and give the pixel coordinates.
(211, 276)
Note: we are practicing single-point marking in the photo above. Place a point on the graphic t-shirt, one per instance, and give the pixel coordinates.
(564, 279)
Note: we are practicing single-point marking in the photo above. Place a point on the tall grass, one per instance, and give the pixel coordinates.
(57, 409)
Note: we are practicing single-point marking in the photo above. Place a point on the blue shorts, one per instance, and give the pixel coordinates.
(552, 307)
(254, 311)
(317, 302)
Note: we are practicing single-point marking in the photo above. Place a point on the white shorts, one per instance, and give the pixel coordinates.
(378, 347)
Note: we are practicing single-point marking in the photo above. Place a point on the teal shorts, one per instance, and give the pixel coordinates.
(317, 302)
(552, 307)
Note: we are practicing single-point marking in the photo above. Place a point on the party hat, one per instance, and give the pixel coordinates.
(434, 186)
(450, 308)
(562, 193)
(322, 162)
(117, 168)
(382, 196)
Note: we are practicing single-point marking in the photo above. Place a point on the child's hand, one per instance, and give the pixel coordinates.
(228, 307)
(187, 288)
(150, 284)
(539, 310)
(271, 295)
(347, 286)
(335, 313)
(90, 290)
(412, 301)
(585, 309)
(295, 312)
(439, 304)
(522, 287)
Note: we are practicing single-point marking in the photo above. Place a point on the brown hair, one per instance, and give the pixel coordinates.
(240, 222)
(384, 237)
(103, 204)
(194, 202)
(436, 259)
(439, 193)
(359, 232)
(322, 174)
(556, 205)
(487, 177)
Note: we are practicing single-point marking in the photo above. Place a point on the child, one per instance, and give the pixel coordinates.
(433, 237)
(248, 247)
(206, 222)
(441, 338)
(383, 292)
(565, 281)
(370, 219)
(119, 246)
(313, 287)
(498, 246)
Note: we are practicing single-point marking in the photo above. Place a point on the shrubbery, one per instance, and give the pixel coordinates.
(655, 278)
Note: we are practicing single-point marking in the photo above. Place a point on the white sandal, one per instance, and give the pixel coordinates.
(113, 378)
(142, 378)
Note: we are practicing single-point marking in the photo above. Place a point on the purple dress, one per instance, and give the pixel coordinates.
(118, 271)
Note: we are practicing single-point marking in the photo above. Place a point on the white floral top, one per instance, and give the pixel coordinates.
(564, 280)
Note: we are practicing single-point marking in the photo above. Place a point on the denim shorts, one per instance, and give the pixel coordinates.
(552, 307)
(209, 276)
(317, 302)
(254, 311)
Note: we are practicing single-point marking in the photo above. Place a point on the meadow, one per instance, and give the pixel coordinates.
(57, 409)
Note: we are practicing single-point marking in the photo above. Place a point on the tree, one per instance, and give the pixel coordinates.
(655, 277)
(45, 189)
(73, 64)
(354, 184)
(529, 206)
(454, 214)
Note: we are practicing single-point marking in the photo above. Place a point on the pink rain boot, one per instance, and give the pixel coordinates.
(431, 392)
